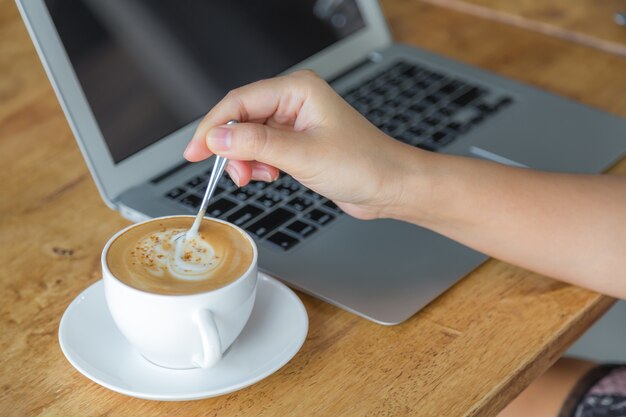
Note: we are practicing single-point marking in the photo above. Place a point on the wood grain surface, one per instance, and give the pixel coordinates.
(467, 354)
(588, 22)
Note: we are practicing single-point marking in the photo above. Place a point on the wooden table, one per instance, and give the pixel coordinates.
(587, 22)
(467, 354)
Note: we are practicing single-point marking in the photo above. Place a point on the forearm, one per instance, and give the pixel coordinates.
(570, 227)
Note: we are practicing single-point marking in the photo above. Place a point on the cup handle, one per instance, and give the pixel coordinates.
(211, 344)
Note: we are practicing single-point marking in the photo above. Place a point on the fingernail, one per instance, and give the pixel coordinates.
(262, 174)
(219, 138)
(188, 149)
(194, 147)
(234, 175)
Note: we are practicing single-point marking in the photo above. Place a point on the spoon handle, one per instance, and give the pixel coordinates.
(216, 174)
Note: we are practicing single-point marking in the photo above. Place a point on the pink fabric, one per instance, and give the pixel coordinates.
(612, 384)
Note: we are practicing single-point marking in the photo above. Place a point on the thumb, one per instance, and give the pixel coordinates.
(281, 148)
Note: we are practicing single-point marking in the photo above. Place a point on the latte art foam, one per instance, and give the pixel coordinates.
(170, 251)
(158, 257)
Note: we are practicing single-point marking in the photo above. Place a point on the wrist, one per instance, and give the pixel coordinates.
(414, 179)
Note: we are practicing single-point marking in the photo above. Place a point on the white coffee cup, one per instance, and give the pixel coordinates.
(181, 331)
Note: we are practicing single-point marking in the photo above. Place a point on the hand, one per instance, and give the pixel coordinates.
(298, 124)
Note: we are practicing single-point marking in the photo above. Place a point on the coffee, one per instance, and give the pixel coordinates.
(156, 257)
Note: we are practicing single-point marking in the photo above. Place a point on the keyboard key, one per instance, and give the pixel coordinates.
(257, 185)
(202, 189)
(361, 108)
(454, 126)
(226, 182)
(467, 97)
(438, 136)
(195, 181)
(299, 203)
(375, 113)
(451, 87)
(410, 71)
(220, 207)
(191, 201)
(426, 147)
(396, 81)
(365, 100)
(369, 87)
(270, 222)
(404, 137)
(285, 190)
(284, 241)
(244, 215)
(477, 119)
(268, 200)
(445, 111)
(436, 76)
(409, 93)
(379, 91)
(320, 217)
(243, 193)
(432, 121)
(417, 108)
(504, 101)
(271, 195)
(175, 193)
(399, 66)
(393, 103)
(289, 186)
(417, 131)
(332, 206)
(414, 135)
(311, 194)
(290, 181)
(433, 99)
(422, 85)
(352, 91)
(400, 119)
(442, 138)
(485, 108)
(301, 228)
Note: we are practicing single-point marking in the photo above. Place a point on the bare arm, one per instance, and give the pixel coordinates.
(570, 227)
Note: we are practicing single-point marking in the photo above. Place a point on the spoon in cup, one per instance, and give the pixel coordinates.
(216, 174)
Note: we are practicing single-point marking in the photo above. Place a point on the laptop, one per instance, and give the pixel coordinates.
(134, 77)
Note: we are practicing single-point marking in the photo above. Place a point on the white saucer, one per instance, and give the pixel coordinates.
(92, 343)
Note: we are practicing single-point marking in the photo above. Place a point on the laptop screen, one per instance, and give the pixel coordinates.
(150, 67)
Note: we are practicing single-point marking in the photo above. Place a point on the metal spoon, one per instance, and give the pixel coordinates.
(216, 174)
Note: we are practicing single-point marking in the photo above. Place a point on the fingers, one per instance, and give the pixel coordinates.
(264, 172)
(197, 151)
(280, 148)
(239, 171)
(242, 172)
(277, 98)
(276, 101)
(271, 140)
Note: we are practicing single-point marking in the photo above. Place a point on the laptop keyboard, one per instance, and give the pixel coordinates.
(423, 107)
(416, 105)
(282, 213)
